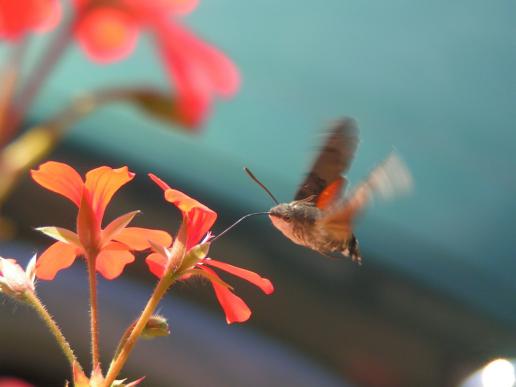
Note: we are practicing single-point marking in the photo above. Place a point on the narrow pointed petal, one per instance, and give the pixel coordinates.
(57, 257)
(180, 7)
(222, 73)
(30, 270)
(138, 239)
(135, 382)
(164, 186)
(199, 71)
(117, 226)
(107, 34)
(61, 234)
(79, 378)
(111, 262)
(60, 178)
(156, 263)
(199, 217)
(263, 283)
(102, 183)
(234, 307)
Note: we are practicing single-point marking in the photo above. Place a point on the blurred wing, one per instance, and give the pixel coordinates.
(387, 180)
(334, 159)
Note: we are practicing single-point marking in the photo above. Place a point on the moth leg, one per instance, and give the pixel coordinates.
(352, 250)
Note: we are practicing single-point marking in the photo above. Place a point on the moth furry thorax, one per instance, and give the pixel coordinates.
(302, 222)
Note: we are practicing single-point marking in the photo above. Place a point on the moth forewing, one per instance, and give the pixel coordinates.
(333, 159)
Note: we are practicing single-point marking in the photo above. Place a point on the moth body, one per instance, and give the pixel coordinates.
(302, 223)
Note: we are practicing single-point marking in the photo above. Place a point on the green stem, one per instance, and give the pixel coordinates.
(94, 331)
(37, 78)
(10, 75)
(42, 311)
(128, 342)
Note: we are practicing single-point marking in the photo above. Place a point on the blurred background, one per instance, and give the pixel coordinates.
(434, 299)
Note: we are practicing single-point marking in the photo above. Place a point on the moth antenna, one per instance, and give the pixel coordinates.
(238, 221)
(260, 184)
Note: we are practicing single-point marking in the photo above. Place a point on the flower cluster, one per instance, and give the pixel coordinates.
(111, 247)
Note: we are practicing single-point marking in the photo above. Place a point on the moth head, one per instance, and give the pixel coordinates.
(282, 212)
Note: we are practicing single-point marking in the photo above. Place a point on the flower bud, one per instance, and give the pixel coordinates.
(14, 281)
(157, 326)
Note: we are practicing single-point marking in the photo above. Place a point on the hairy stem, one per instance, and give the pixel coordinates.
(43, 313)
(128, 342)
(94, 331)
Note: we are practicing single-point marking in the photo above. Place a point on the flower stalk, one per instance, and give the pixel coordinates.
(94, 330)
(33, 300)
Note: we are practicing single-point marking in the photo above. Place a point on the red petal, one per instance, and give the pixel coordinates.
(111, 263)
(263, 283)
(199, 217)
(57, 257)
(137, 238)
(18, 17)
(156, 264)
(157, 8)
(199, 223)
(107, 34)
(178, 7)
(60, 178)
(234, 307)
(164, 186)
(102, 183)
(199, 70)
(14, 382)
(222, 73)
(48, 15)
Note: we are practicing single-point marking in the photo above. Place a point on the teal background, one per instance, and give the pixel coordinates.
(435, 80)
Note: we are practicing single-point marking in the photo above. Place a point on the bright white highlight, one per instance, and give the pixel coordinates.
(498, 373)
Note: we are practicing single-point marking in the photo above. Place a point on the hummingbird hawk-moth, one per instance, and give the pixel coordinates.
(319, 217)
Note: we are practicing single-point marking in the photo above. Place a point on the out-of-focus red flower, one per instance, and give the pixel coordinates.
(108, 31)
(17, 17)
(112, 245)
(14, 382)
(198, 220)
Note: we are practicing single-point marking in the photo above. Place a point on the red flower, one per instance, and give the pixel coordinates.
(110, 247)
(198, 220)
(19, 16)
(108, 31)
